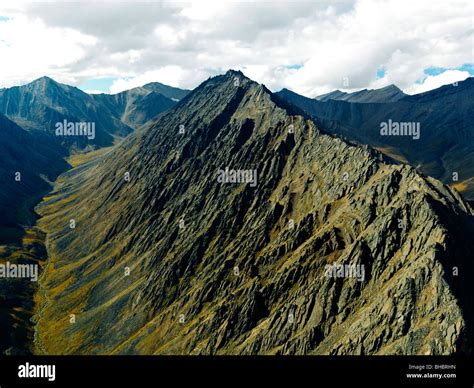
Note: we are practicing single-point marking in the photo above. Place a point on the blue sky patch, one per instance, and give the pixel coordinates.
(98, 84)
(467, 67)
(438, 70)
(433, 71)
(295, 66)
(380, 73)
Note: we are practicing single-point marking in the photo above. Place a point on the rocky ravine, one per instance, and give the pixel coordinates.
(171, 261)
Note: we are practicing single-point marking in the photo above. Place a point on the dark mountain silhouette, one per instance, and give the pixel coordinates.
(172, 256)
(445, 149)
(29, 162)
(387, 94)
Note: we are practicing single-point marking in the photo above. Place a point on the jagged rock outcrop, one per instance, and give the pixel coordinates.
(166, 258)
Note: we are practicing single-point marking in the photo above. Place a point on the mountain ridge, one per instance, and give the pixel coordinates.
(221, 268)
(388, 93)
(42, 103)
(444, 115)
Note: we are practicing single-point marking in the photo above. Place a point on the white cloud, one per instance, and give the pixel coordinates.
(435, 81)
(168, 75)
(203, 9)
(309, 47)
(404, 40)
(29, 49)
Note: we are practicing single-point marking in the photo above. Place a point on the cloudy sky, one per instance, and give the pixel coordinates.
(311, 47)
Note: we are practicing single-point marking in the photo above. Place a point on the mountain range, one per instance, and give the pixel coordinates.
(386, 94)
(174, 260)
(233, 220)
(31, 159)
(445, 147)
(30, 146)
(44, 102)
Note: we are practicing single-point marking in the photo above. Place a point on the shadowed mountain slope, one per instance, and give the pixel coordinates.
(176, 261)
(28, 163)
(445, 148)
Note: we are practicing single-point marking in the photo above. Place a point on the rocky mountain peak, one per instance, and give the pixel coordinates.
(392, 87)
(249, 231)
(44, 79)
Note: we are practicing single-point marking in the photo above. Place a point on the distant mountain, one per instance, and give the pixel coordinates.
(137, 106)
(29, 145)
(445, 148)
(232, 226)
(41, 104)
(167, 91)
(387, 94)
